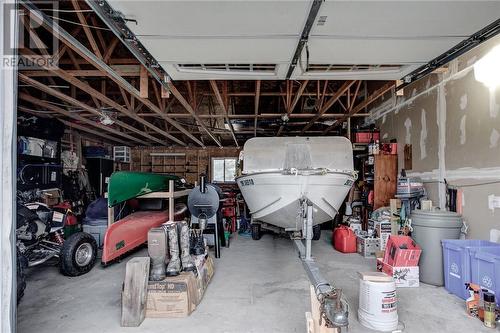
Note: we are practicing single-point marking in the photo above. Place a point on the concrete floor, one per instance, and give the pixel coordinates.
(258, 286)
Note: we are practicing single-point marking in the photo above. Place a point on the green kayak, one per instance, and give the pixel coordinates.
(125, 185)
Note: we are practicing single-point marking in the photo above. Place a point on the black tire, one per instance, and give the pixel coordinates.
(256, 231)
(22, 264)
(69, 263)
(316, 232)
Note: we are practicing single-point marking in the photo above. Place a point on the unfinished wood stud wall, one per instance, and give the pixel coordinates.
(190, 165)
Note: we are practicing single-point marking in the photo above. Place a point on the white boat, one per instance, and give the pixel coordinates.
(280, 172)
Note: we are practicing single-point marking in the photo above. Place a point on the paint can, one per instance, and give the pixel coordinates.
(378, 305)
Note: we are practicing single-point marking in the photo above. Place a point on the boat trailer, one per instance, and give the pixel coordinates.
(334, 309)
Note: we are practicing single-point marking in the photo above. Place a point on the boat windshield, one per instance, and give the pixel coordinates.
(300, 153)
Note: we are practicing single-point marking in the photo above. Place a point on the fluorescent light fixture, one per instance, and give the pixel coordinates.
(487, 69)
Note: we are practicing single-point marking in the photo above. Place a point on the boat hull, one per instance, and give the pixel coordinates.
(274, 197)
(132, 231)
(125, 185)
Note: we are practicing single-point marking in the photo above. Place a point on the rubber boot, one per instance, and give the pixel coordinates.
(174, 265)
(157, 250)
(187, 262)
(197, 242)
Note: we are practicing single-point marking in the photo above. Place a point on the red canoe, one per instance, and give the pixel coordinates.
(132, 231)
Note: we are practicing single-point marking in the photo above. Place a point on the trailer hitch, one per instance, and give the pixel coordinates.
(334, 309)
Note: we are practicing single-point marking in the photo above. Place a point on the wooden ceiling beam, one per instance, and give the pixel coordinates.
(159, 100)
(256, 110)
(144, 83)
(190, 109)
(92, 131)
(342, 90)
(292, 104)
(85, 53)
(86, 29)
(354, 96)
(298, 95)
(77, 117)
(125, 98)
(369, 100)
(100, 37)
(223, 105)
(96, 95)
(40, 86)
(109, 51)
(260, 116)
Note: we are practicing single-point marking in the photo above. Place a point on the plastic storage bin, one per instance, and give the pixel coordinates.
(97, 228)
(485, 269)
(457, 263)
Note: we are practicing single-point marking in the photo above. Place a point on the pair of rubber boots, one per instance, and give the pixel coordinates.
(173, 236)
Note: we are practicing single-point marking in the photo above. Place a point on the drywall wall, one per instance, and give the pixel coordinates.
(452, 122)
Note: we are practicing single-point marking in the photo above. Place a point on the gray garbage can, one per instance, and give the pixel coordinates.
(429, 228)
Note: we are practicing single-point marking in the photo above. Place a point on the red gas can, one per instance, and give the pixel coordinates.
(344, 239)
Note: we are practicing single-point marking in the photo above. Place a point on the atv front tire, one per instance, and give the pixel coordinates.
(78, 254)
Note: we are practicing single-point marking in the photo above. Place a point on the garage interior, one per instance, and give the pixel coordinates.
(251, 166)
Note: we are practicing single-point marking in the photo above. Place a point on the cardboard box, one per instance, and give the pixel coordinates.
(172, 297)
(367, 246)
(383, 231)
(205, 271)
(178, 296)
(51, 197)
(404, 277)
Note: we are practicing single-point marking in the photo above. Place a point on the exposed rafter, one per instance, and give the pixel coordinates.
(72, 115)
(68, 99)
(257, 100)
(223, 105)
(260, 116)
(329, 104)
(109, 79)
(369, 100)
(190, 109)
(86, 29)
(292, 104)
(101, 97)
(85, 53)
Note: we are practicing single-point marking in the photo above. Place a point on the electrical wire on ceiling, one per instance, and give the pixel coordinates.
(78, 23)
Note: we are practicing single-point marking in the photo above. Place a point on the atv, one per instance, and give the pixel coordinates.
(39, 238)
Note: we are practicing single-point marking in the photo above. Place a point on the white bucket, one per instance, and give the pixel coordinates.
(378, 305)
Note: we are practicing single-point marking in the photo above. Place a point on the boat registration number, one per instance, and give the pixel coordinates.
(246, 182)
(348, 182)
